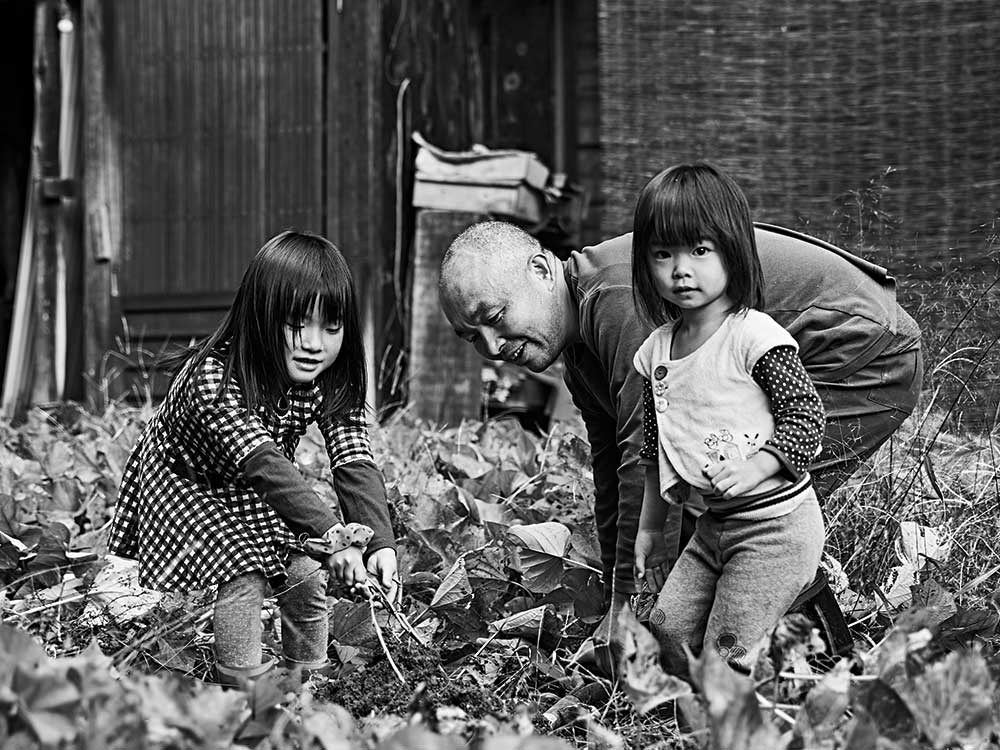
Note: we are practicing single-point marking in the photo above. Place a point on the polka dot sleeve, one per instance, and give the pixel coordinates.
(796, 407)
(648, 452)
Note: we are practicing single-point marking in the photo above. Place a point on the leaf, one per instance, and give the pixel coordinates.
(542, 549)
(528, 624)
(586, 546)
(952, 701)
(938, 603)
(455, 589)
(65, 495)
(500, 482)
(351, 624)
(58, 461)
(494, 513)
(331, 727)
(445, 511)
(117, 596)
(645, 682)
(824, 707)
(587, 593)
(966, 624)
(418, 738)
(459, 466)
(731, 705)
(48, 702)
(886, 709)
(914, 546)
(18, 649)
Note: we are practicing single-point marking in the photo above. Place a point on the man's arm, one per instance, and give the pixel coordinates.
(605, 460)
(616, 334)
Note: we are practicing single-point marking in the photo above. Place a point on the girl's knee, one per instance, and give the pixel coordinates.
(305, 586)
(245, 590)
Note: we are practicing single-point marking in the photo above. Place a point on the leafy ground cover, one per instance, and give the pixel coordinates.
(500, 567)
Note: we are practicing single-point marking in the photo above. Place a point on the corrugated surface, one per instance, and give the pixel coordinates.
(222, 135)
(806, 101)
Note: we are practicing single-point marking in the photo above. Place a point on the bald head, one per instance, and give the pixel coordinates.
(505, 294)
(494, 249)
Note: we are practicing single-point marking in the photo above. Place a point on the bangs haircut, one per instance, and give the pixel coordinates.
(683, 205)
(281, 286)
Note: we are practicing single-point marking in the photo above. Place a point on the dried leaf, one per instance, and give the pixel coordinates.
(48, 702)
(645, 682)
(952, 701)
(731, 705)
(455, 589)
(887, 710)
(527, 624)
(418, 738)
(117, 596)
(58, 460)
(824, 707)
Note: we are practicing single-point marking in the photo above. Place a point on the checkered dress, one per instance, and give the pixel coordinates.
(185, 511)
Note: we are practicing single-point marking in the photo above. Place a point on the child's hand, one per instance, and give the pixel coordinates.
(735, 477)
(650, 558)
(382, 567)
(348, 566)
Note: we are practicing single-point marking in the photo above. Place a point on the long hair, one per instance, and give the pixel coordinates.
(288, 275)
(683, 205)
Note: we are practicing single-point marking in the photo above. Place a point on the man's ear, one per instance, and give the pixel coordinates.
(540, 264)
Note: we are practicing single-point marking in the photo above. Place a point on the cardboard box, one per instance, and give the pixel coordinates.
(517, 200)
(480, 166)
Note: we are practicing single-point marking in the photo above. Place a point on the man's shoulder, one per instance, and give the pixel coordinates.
(784, 250)
(608, 263)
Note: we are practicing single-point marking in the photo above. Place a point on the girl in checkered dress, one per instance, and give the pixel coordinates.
(210, 495)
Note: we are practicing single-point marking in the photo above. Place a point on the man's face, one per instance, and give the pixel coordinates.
(515, 319)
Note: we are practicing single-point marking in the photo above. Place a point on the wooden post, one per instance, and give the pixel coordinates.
(358, 214)
(445, 373)
(46, 147)
(102, 204)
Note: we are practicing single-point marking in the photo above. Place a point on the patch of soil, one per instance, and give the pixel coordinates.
(375, 687)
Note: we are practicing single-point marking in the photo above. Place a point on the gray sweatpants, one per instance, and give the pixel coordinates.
(733, 582)
(305, 623)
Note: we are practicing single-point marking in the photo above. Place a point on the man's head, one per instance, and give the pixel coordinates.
(504, 293)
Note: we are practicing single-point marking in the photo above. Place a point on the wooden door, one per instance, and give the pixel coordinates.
(220, 117)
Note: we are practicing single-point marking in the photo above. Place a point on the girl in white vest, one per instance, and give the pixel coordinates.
(728, 411)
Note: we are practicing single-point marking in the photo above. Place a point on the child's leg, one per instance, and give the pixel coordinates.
(237, 625)
(681, 610)
(305, 622)
(766, 564)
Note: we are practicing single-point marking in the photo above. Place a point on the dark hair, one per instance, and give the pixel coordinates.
(286, 277)
(683, 205)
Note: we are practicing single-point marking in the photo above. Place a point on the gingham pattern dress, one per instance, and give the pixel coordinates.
(184, 510)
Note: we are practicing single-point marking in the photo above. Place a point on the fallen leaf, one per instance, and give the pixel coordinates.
(645, 682)
(455, 589)
(824, 707)
(731, 705)
(527, 624)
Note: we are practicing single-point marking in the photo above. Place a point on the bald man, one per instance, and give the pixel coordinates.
(516, 301)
